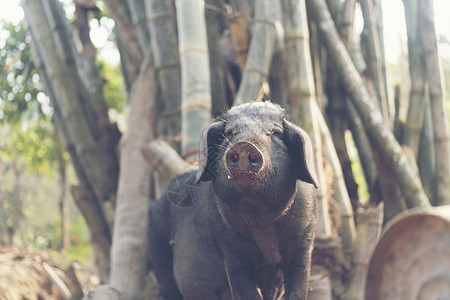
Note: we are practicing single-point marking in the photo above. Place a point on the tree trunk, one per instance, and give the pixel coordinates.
(129, 250)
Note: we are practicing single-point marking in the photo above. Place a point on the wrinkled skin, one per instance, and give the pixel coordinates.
(242, 226)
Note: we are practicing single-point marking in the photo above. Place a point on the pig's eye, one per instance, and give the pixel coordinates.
(228, 133)
(275, 132)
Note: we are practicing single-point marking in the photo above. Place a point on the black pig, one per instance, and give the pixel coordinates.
(244, 223)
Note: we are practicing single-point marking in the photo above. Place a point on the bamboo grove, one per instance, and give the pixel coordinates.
(184, 62)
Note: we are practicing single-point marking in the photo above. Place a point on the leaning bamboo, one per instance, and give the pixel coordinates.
(363, 145)
(381, 135)
(435, 79)
(301, 94)
(195, 74)
(260, 53)
(340, 191)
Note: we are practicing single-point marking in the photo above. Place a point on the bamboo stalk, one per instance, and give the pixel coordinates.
(389, 148)
(260, 52)
(195, 73)
(363, 146)
(301, 95)
(414, 121)
(340, 191)
(164, 45)
(436, 85)
(427, 156)
(378, 12)
(374, 57)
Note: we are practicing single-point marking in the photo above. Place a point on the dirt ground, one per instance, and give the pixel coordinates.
(31, 274)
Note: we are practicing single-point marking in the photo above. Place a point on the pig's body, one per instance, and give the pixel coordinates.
(249, 221)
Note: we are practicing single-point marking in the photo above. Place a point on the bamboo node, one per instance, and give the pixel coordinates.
(270, 22)
(193, 49)
(255, 70)
(156, 16)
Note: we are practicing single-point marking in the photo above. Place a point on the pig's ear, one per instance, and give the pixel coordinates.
(212, 136)
(298, 141)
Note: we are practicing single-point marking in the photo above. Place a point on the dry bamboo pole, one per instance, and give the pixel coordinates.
(363, 146)
(301, 95)
(374, 57)
(414, 121)
(382, 137)
(260, 52)
(138, 18)
(435, 78)
(215, 18)
(164, 48)
(195, 73)
(129, 249)
(340, 193)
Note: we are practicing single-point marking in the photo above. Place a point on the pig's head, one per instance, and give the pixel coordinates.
(252, 153)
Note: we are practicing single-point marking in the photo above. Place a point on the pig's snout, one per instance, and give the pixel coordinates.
(244, 158)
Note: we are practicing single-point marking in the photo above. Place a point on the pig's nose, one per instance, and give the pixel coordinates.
(244, 157)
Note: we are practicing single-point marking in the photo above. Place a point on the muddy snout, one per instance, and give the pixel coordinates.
(244, 159)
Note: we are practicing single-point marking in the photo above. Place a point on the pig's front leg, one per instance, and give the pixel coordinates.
(271, 282)
(297, 276)
(241, 282)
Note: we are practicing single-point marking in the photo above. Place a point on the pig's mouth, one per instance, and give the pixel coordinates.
(245, 182)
